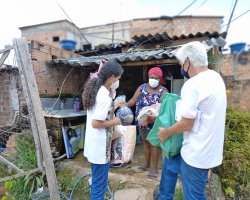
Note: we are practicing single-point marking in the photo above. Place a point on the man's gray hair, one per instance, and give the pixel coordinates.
(196, 53)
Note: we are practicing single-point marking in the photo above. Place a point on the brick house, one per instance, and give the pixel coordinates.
(49, 80)
(53, 32)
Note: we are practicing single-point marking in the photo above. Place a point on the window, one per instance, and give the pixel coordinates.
(56, 39)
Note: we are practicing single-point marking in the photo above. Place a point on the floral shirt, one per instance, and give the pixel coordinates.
(147, 99)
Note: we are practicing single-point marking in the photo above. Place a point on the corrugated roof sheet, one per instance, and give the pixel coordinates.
(8, 68)
(165, 37)
(120, 57)
(157, 38)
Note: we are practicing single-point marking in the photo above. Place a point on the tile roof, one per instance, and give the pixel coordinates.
(150, 39)
(165, 37)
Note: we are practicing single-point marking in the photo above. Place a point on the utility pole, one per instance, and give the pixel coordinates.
(229, 22)
(113, 29)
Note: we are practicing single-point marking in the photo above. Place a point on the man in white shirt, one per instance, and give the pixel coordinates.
(203, 111)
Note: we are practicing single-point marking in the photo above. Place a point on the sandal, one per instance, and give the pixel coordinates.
(152, 176)
(142, 168)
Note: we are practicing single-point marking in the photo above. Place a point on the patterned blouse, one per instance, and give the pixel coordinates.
(147, 99)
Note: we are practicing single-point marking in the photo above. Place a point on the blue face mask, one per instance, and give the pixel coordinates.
(185, 73)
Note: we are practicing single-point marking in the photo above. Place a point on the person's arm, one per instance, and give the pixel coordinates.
(163, 92)
(184, 124)
(106, 123)
(133, 100)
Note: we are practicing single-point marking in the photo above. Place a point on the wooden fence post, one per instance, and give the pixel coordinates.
(37, 118)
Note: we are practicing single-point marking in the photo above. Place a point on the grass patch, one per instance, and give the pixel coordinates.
(178, 194)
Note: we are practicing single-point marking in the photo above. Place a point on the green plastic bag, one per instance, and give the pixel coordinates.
(165, 119)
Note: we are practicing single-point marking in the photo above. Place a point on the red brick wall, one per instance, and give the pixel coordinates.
(194, 25)
(176, 26)
(239, 66)
(50, 79)
(4, 99)
(47, 37)
(236, 73)
(146, 26)
(6, 110)
(238, 93)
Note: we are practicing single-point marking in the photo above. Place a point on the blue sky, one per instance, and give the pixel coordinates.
(17, 13)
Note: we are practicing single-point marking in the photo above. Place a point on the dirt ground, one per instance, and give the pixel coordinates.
(129, 173)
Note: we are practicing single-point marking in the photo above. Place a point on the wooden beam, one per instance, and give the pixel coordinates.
(37, 118)
(145, 74)
(6, 49)
(6, 162)
(2, 180)
(150, 62)
(3, 57)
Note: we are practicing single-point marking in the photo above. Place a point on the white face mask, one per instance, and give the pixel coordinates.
(153, 83)
(115, 85)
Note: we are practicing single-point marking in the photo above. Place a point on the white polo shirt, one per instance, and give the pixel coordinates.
(204, 99)
(98, 140)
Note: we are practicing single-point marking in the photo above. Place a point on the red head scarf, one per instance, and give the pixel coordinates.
(157, 72)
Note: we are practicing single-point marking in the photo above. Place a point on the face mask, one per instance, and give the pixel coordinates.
(153, 83)
(184, 73)
(115, 85)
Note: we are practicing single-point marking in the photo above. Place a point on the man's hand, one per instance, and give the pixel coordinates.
(162, 134)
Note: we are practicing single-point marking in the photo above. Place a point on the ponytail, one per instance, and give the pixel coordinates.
(89, 93)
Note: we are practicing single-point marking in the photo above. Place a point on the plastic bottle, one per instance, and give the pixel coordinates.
(77, 105)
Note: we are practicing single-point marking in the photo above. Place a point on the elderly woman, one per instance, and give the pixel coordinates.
(146, 95)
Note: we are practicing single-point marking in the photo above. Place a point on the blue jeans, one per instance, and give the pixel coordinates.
(193, 179)
(169, 175)
(99, 180)
(194, 182)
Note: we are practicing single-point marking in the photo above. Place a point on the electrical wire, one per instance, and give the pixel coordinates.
(61, 89)
(137, 45)
(82, 35)
(235, 18)
(229, 22)
(200, 5)
(70, 19)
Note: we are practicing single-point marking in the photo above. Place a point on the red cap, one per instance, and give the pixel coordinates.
(157, 72)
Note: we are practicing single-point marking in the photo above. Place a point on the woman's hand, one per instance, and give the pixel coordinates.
(117, 121)
(120, 104)
(151, 119)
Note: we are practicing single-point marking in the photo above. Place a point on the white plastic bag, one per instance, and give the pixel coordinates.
(123, 147)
